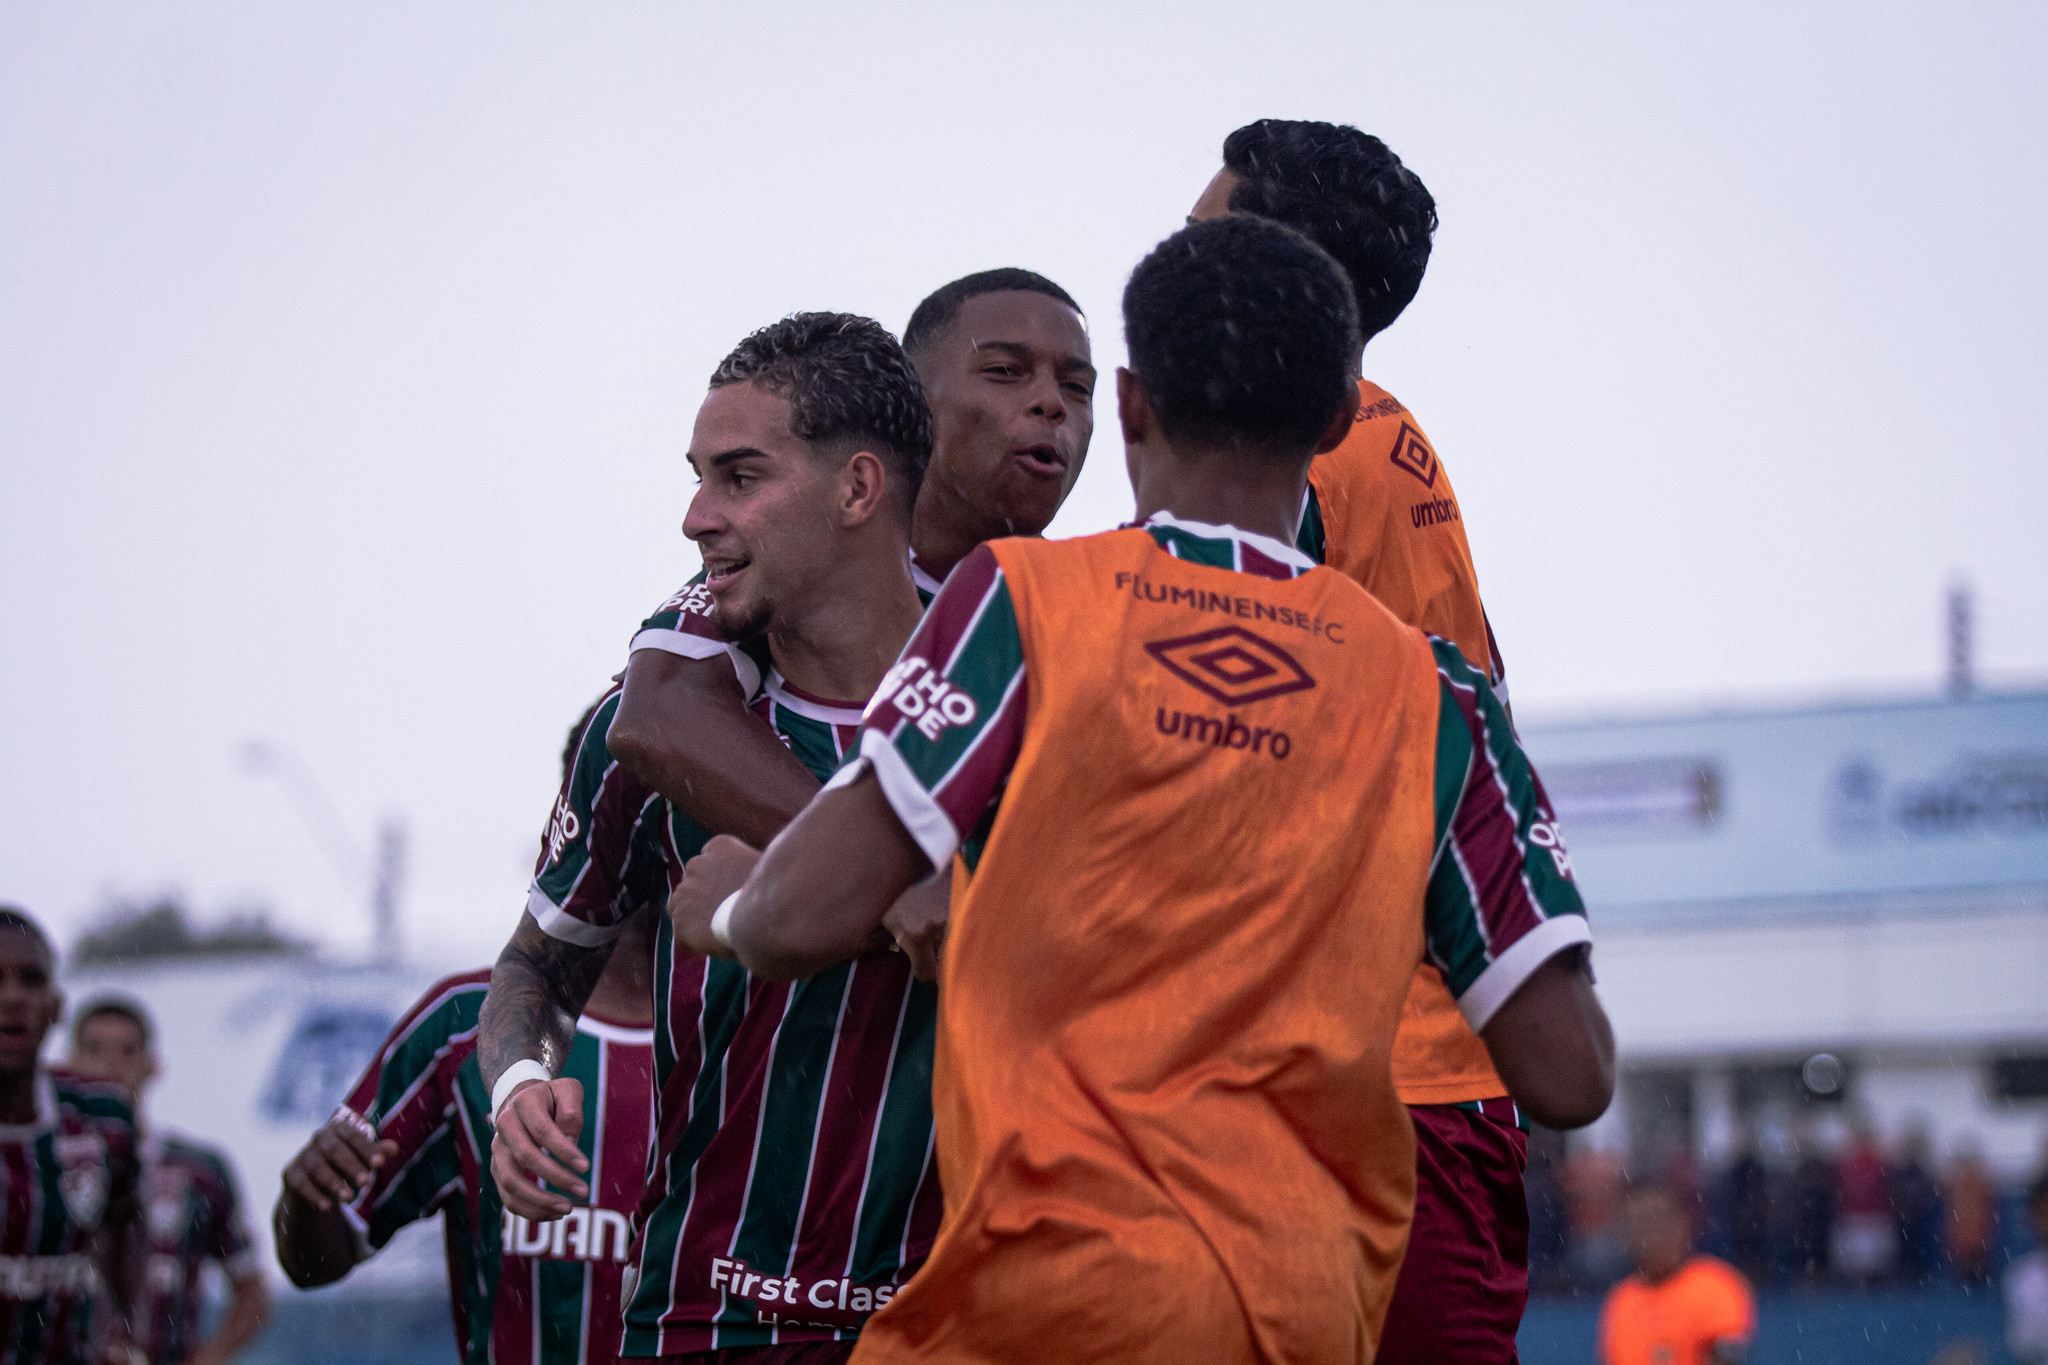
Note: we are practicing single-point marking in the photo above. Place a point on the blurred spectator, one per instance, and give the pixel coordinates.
(1549, 1235)
(1594, 1185)
(1813, 1210)
(1678, 1308)
(1746, 1209)
(1865, 1238)
(2026, 1287)
(1972, 1225)
(1916, 1207)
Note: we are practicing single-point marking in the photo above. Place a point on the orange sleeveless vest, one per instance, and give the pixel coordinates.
(1167, 1130)
(1391, 524)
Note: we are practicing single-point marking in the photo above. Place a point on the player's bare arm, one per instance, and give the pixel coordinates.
(1553, 1046)
(248, 1311)
(538, 990)
(316, 1245)
(815, 897)
(683, 728)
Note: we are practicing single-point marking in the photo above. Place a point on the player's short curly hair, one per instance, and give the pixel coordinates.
(936, 314)
(1243, 334)
(1350, 195)
(849, 386)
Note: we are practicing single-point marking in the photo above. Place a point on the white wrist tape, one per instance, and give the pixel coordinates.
(721, 919)
(515, 1076)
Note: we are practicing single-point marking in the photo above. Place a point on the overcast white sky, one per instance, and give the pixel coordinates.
(348, 353)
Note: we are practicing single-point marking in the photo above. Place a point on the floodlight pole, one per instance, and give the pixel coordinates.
(384, 876)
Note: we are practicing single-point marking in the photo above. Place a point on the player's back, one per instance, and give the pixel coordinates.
(1172, 989)
(1382, 513)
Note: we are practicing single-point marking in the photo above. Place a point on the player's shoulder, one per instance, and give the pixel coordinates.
(188, 1152)
(1711, 1274)
(612, 1034)
(449, 1006)
(1386, 441)
(91, 1100)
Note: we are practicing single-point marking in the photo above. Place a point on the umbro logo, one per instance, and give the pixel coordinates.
(1413, 454)
(1232, 665)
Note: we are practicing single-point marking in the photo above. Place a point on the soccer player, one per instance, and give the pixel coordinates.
(413, 1139)
(67, 1179)
(1227, 799)
(191, 1205)
(1380, 509)
(1678, 1308)
(792, 1189)
(1004, 359)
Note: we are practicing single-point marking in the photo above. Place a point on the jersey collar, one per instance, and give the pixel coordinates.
(923, 578)
(1267, 557)
(793, 698)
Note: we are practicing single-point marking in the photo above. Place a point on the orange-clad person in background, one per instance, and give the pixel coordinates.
(1218, 803)
(1379, 509)
(1678, 1308)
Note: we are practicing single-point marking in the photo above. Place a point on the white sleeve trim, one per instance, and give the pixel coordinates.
(922, 816)
(1483, 999)
(697, 647)
(556, 922)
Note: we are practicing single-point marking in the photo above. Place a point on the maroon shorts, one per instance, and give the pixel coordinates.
(794, 1353)
(1465, 1279)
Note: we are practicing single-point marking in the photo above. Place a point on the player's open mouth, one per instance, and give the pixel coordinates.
(719, 572)
(1042, 460)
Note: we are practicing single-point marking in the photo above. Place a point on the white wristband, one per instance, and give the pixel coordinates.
(721, 919)
(516, 1075)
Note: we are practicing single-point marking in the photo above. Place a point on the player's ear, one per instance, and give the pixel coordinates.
(1341, 427)
(1133, 408)
(863, 485)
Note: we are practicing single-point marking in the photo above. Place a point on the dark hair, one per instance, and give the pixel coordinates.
(115, 1006)
(848, 384)
(943, 305)
(2037, 1193)
(1243, 334)
(1345, 191)
(15, 918)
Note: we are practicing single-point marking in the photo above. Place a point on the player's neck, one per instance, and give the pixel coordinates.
(18, 1095)
(945, 528)
(839, 645)
(1260, 496)
(623, 998)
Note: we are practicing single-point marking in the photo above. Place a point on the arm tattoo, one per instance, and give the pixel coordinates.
(538, 989)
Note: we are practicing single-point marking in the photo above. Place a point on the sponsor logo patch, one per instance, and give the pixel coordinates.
(1231, 665)
(1413, 454)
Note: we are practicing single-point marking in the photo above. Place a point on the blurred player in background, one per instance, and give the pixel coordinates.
(793, 1188)
(413, 1139)
(190, 1201)
(1678, 1308)
(1004, 359)
(1380, 509)
(1227, 800)
(67, 1179)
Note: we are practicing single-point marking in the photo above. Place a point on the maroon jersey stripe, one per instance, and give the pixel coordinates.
(846, 1118)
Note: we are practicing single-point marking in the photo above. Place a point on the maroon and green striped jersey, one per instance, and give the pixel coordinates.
(1500, 899)
(191, 1214)
(793, 1187)
(523, 1293)
(682, 625)
(63, 1176)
